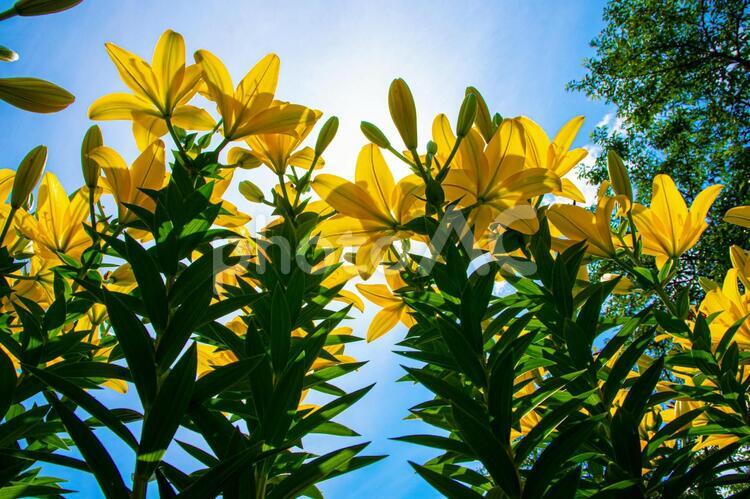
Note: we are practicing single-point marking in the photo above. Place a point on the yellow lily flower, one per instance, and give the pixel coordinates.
(125, 184)
(57, 224)
(277, 151)
(555, 155)
(39, 282)
(739, 215)
(161, 91)
(372, 210)
(393, 311)
(667, 227)
(493, 180)
(731, 305)
(579, 224)
(250, 109)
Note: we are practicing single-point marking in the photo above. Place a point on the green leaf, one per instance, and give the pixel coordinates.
(444, 443)
(280, 329)
(446, 486)
(150, 284)
(185, 320)
(326, 413)
(494, 455)
(164, 418)
(215, 478)
(223, 378)
(551, 461)
(87, 402)
(8, 382)
(136, 345)
(562, 288)
(93, 452)
(543, 428)
(622, 366)
(314, 471)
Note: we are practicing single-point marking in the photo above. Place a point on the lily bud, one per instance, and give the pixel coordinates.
(497, 118)
(90, 168)
(403, 112)
(27, 176)
(41, 7)
(242, 158)
(483, 120)
(251, 192)
(374, 135)
(618, 175)
(326, 135)
(7, 55)
(466, 115)
(432, 148)
(35, 95)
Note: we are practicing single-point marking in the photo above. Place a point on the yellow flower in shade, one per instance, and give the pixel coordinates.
(277, 151)
(161, 91)
(493, 180)
(667, 227)
(555, 155)
(372, 210)
(393, 309)
(125, 184)
(340, 276)
(579, 224)
(250, 109)
(210, 357)
(739, 215)
(38, 282)
(731, 305)
(57, 224)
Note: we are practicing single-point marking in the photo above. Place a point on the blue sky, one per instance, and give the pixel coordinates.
(339, 57)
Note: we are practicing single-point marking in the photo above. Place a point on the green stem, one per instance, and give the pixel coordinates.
(140, 486)
(7, 225)
(288, 208)
(178, 143)
(304, 180)
(400, 156)
(452, 154)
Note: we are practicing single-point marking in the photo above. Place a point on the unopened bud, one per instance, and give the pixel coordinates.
(35, 95)
(374, 135)
(483, 120)
(7, 55)
(466, 115)
(403, 112)
(90, 168)
(326, 135)
(618, 175)
(41, 7)
(251, 192)
(27, 176)
(432, 148)
(242, 158)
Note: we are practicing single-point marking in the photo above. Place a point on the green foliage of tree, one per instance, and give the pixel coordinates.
(678, 73)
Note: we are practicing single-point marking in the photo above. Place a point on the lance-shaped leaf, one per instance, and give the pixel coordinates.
(165, 415)
(93, 452)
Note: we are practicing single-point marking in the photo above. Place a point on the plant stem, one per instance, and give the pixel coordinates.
(8, 221)
(178, 143)
(305, 179)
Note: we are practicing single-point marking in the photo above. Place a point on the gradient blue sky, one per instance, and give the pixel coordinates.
(339, 57)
